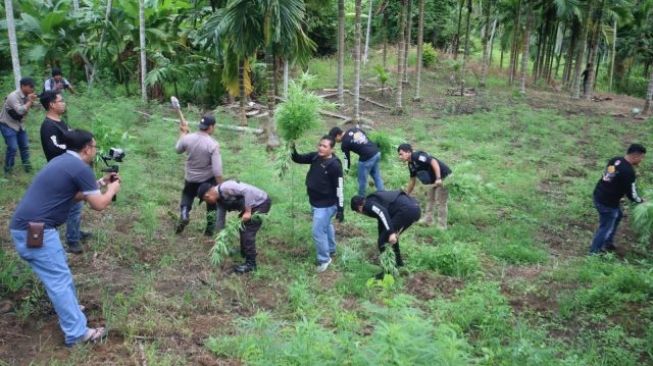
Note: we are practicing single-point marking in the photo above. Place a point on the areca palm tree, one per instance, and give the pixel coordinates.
(141, 27)
(13, 44)
(420, 46)
(341, 52)
(357, 61)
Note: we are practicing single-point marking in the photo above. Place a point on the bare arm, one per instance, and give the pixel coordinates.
(99, 202)
(411, 185)
(436, 170)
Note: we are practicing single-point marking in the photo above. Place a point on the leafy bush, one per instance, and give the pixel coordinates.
(299, 113)
(386, 142)
(14, 275)
(429, 55)
(382, 74)
(643, 221)
(451, 259)
(479, 307)
(518, 253)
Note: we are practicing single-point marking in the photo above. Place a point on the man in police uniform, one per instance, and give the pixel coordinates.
(431, 172)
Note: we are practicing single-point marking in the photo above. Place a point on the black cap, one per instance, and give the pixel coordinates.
(201, 191)
(206, 122)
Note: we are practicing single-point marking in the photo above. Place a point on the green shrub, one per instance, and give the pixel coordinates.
(429, 55)
(451, 259)
(14, 275)
(643, 220)
(518, 253)
(386, 142)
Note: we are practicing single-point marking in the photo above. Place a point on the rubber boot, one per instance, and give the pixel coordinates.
(399, 262)
(248, 266)
(184, 214)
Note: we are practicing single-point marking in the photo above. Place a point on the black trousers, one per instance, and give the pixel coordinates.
(405, 214)
(190, 192)
(249, 230)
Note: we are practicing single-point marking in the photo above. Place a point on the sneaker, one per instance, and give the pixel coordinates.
(85, 235)
(74, 248)
(27, 167)
(610, 248)
(323, 267)
(245, 267)
(209, 232)
(181, 225)
(332, 254)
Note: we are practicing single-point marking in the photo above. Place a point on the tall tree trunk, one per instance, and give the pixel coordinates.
(612, 54)
(492, 38)
(514, 51)
(456, 39)
(409, 28)
(541, 43)
(399, 109)
(558, 49)
(571, 52)
(286, 78)
(141, 22)
(357, 62)
(597, 23)
(241, 91)
(367, 32)
(648, 106)
(420, 47)
(486, 43)
(13, 44)
(341, 52)
(501, 59)
(580, 56)
(466, 54)
(525, 56)
(107, 14)
(271, 129)
(385, 39)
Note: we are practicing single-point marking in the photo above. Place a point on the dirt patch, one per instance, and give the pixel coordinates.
(426, 285)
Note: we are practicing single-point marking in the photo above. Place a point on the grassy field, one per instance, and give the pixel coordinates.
(509, 283)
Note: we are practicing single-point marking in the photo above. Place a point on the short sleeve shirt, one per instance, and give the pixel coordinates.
(50, 196)
(420, 166)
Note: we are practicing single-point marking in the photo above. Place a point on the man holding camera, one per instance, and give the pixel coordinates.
(63, 182)
(53, 130)
(431, 172)
(204, 165)
(12, 121)
(232, 195)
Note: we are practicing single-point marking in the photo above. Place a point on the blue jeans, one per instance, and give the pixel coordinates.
(73, 233)
(370, 167)
(609, 218)
(324, 234)
(50, 265)
(15, 140)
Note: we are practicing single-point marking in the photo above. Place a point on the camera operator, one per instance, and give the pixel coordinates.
(232, 195)
(204, 165)
(53, 130)
(12, 124)
(46, 205)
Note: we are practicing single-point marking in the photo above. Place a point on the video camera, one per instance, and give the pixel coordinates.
(116, 155)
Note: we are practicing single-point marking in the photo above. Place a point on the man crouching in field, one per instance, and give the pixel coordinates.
(394, 211)
(63, 182)
(232, 195)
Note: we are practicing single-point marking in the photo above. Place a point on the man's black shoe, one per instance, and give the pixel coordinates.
(85, 235)
(209, 232)
(245, 267)
(181, 225)
(74, 248)
(610, 248)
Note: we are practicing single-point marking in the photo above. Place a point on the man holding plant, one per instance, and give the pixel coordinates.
(618, 180)
(325, 187)
(232, 195)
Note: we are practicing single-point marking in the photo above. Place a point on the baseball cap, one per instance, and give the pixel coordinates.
(206, 122)
(201, 191)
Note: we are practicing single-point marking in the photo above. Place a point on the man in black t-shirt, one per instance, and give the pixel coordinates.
(53, 130)
(324, 185)
(369, 156)
(395, 211)
(431, 172)
(618, 180)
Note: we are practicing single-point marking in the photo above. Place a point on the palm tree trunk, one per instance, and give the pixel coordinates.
(141, 22)
(525, 56)
(385, 39)
(13, 44)
(492, 38)
(514, 51)
(107, 14)
(341, 52)
(286, 77)
(357, 62)
(409, 28)
(466, 54)
(271, 130)
(648, 106)
(486, 43)
(571, 52)
(612, 54)
(501, 59)
(580, 57)
(399, 109)
(241, 91)
(367, 32)
(420, 46)
(589, 85)
(456, 40)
